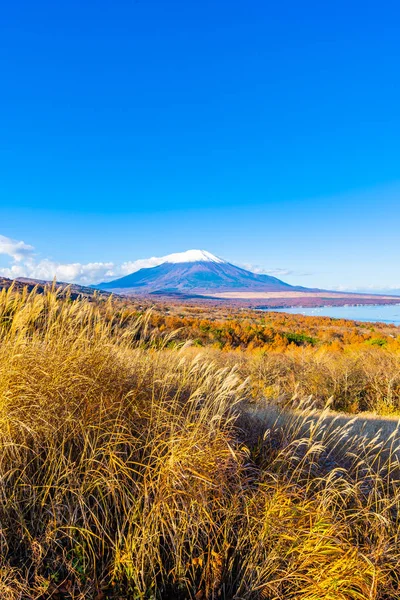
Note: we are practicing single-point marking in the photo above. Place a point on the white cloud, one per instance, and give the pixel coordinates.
(143, 263)
(371, 289)
(24, 264)
(17, 250)
(274, 272)
(84, 274)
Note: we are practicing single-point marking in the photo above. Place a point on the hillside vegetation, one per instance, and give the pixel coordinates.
(132, 465)
(356, 366)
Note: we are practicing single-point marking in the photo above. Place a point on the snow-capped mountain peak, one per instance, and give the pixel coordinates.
(194, 271)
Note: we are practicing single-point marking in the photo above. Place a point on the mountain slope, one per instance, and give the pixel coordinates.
(197, 271)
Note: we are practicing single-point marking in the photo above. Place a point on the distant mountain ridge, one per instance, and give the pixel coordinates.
(75, 290)
(196, 271)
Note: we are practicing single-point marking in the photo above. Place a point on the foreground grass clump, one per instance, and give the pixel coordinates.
(128, 470)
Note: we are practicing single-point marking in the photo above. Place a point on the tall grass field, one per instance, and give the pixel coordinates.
(136, 468)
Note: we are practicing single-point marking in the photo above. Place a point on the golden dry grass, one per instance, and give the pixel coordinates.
(129, 470)
(361, 379)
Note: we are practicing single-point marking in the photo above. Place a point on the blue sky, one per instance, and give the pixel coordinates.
(265, 132)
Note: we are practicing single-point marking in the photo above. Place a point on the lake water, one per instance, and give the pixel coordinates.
(389, 313)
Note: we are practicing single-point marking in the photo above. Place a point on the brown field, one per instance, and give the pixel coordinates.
(351, 298)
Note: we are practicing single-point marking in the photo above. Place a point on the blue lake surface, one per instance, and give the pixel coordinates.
(389, 313)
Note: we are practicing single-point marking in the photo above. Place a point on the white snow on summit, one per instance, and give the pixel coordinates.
(192, 256)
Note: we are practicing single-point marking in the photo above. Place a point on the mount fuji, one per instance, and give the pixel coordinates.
(196, 272)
